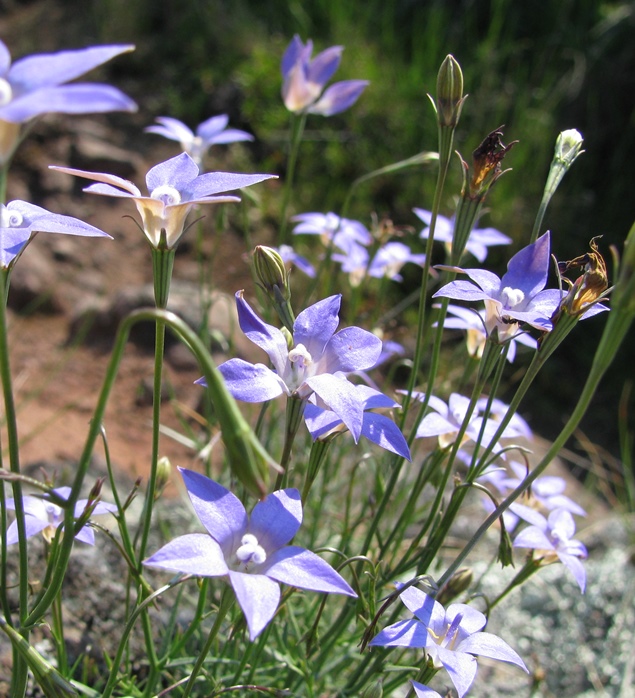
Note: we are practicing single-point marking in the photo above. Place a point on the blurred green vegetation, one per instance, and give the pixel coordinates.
(538, 68)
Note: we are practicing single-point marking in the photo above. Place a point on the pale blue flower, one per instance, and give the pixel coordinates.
(305, 79)
(449, 637)
(252, 552)
(20, 221)
(45, 517)
(175, 187)
(212, 131)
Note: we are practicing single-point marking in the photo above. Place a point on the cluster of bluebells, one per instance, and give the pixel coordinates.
(348, 241)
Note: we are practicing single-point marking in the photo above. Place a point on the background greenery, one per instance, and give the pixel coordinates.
(538, 68)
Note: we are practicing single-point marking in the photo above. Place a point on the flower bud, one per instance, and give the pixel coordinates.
(374, 689)
(568, 146)
(449, 92)
(458, 583)
(164, 470)
(271, 271)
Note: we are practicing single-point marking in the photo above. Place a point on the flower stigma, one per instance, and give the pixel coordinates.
(10, 219)
(511, 297)
(250, 553)
(6, 93)
(167, 193)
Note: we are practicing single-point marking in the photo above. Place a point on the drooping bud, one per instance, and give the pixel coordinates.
(458, 583)
(450, 97)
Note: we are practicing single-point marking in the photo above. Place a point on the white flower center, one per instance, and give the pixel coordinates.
(250, 553)
(9, 218)
(168, 194)
(300, 356)
(6, 93)
(511, 297)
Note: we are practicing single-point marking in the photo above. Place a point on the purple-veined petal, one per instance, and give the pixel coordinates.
(276, 519)
(305, 570)
(422, 691)
(258, 596)
(461, 667)
(422, 605)
(269, 338)
(56, 223)
(108, 190)
(535, 518)
(404, 633)
(46, 69)
(12, 242)
(291, 54)
(492, 646)
(218, 182)
(220, 511)
(339, 97)
(194, 553)
(339, 395)
(315, 326)
(351, 349)
(176, 172)
(211, 127)
(77, 98)
(251, 382)
(560, 520)
(86, 535)
(230, 135)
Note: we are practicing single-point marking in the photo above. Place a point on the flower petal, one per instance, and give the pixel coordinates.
(339, 97)
(492, 646)
(461, 667)
(176, 172)
(339, 396)
(404, 633)
(422, 691)
(258, 597)
(314, 327)
(118, 182)
(194, 553)
(219, 182)
(269, 338)
(32, 527)
(251, 382)
(276, 519)
(220, 511)
(381, 430)
(351, 349)
(303, 569)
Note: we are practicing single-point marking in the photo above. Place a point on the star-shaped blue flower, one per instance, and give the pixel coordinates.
(252, 552)
(317, 360)
(305, 79)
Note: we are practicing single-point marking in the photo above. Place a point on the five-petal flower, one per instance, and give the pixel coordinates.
(317, 361)
(519, 297)
(554, 535)
(44, 516)
(253, 552)
(451, 637)
(305, 79)
(175, 186)
(19, 220)
(210, 132)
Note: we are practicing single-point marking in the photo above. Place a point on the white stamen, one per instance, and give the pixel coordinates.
(300, 355)
(168, 194)
(511, 297)
(9, 218)
(250, 552)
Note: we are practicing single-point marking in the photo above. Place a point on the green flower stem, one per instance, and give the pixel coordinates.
(226, 602)
(619, 321)
(528, 570)
(298, 122)
(319, 451)
(58, 635)
(293, 419)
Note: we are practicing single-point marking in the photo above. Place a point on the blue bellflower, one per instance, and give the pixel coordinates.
(35, 85)
(175, 187)
(518, 297)
(553, 537)
(477, 243)
(20, 220)
(332, 229)
(210, 132)
(376, 426)
(45, 517)
(252, 552)
(305, 79)
(450, 637)
(317, 360)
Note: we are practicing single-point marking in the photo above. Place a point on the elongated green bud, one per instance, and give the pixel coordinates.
(450, 97)
(273, 276)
